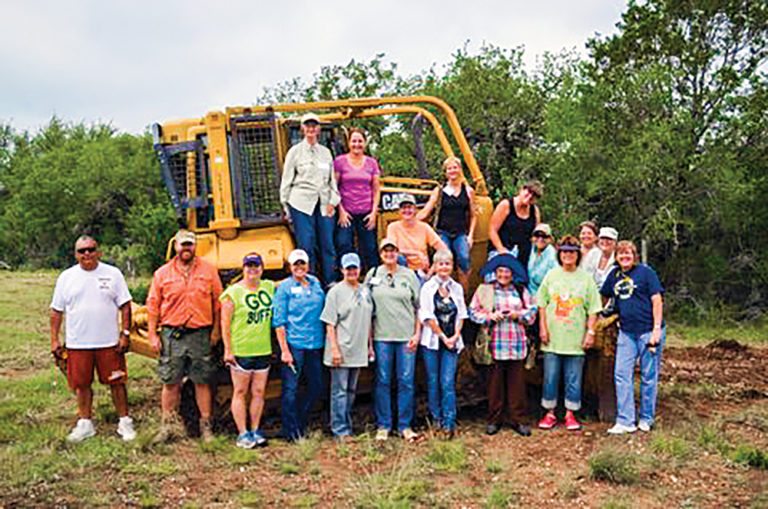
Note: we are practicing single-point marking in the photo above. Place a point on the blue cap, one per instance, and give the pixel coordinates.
(252, 259)
(350, 260)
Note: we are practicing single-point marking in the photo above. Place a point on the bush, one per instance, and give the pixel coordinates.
(614, 466)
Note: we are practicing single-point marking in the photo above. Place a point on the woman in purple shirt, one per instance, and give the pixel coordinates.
(358, 179)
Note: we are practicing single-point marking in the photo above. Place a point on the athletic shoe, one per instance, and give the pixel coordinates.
(644, 426)
(409, 435)
(258, 439)
(492, 429)
(245, 440)
(125, 429)
(82, 430)
(571, 423)
(382, 434)
(620, 429)
(549, 421)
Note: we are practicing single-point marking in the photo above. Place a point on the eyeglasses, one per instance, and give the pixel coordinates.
(84, 250)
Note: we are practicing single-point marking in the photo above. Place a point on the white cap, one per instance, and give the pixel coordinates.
(309, 117)
(606, 232)
(298, 255)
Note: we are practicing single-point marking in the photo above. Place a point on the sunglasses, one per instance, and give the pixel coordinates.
(252, 265)
(300, 262)
(84, 250)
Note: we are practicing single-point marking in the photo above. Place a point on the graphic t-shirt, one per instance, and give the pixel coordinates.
(252, 320)
(350, 311)
(632, 292)
(356, 184)
(90, 300)
(568, 297)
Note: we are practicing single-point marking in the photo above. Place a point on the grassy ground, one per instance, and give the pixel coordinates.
(710, 450)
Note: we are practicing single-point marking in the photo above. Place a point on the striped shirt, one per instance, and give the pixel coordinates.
(508, 340)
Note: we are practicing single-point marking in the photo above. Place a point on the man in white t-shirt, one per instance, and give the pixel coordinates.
(91, 294)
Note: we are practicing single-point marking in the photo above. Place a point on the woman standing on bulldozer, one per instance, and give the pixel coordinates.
(358, 178)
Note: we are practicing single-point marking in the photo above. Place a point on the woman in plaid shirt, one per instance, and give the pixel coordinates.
(505, 306)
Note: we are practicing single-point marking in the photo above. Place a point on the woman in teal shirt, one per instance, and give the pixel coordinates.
(246, 321)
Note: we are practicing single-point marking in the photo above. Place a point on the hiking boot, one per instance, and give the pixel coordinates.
(492, 429)
(620, 429)
(244, 440)
(82, 430)
(382, 435)
(549, 421)
(206, 430)
(571, 423)
(125, 429)
(259, 439)
(170, 429)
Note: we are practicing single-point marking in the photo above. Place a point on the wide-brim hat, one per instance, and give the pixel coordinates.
(519, 274)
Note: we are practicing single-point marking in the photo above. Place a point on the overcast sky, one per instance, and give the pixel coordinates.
(132, 63)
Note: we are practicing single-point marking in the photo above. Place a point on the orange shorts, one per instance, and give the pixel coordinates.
(109, 364)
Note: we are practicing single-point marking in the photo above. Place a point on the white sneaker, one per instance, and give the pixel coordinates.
(620, 429)
(125, 429)
(644, 426)
(82, 430)
(382, 434)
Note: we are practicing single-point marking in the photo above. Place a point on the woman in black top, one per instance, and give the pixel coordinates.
(456, 219)
(514, 219)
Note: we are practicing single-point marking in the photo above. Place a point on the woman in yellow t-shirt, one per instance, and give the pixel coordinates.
(246, 322)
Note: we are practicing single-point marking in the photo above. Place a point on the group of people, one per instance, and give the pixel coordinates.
(537, 294)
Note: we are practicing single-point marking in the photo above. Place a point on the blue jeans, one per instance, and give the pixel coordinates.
(629, 347)
(389, 355)
(366, 241)
(295, 412)
(314, 234)
(572, 367)
(441, 366)
(343, 387)
(459, 246)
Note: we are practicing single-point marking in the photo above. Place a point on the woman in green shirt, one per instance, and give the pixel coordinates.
(246, 322)
(568, 306)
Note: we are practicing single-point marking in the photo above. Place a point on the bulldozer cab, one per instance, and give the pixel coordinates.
(222, 172)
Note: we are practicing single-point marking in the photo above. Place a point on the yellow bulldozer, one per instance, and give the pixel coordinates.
(222, 172)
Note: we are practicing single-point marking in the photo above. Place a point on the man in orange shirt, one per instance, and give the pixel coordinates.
(184, 301)
(412, 236)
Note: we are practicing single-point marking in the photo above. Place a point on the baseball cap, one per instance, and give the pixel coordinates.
(407, 198)
(543, 228)
(310, 117)
(606, 232)
(350, 260)
(183, 236)
(298, 255)
(252, 259)
(385, 242)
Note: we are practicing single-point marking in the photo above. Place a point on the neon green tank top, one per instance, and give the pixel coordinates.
(252, 320)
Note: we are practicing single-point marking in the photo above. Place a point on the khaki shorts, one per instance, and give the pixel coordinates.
(187, 353)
